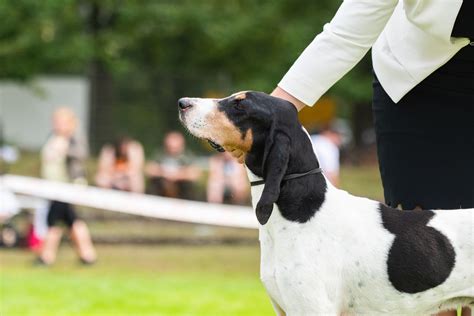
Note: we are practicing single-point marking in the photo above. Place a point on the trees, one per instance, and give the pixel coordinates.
(142, 55)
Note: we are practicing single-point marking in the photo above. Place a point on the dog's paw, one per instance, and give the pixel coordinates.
(263, 211)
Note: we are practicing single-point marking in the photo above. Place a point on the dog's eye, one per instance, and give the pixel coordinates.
(238, 105)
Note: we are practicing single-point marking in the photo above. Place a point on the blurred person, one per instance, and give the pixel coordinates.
(121, 166)
(62, 159)
(38, 229)
(173, 174)
(326, 145)
(227, 180)
(8, 154)
(9, 207)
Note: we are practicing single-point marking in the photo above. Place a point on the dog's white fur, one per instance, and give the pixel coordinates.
(336, 263)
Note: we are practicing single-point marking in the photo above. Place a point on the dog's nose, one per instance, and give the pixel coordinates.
(184, 104)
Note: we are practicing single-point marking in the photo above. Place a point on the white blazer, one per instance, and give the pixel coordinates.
(412, 39)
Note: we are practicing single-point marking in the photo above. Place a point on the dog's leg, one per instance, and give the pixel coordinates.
(278, 310)
(316, 308)
(467, 310)
(314, 313)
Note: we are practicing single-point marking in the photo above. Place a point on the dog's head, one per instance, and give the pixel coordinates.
(241, 123)
(263, 131)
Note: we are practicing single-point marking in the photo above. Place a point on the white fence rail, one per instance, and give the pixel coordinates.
(132, 203)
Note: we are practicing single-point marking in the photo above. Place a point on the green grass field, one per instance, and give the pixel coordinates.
(148, 280)
(136, 280)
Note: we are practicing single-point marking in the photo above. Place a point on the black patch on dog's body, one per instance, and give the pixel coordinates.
(310, 192)
(280, 147)
(421, 257)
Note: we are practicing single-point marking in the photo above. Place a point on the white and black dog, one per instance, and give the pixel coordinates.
(324, 251)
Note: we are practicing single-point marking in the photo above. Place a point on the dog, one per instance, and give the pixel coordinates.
(324, 251)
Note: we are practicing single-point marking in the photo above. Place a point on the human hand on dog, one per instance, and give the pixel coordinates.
(282, 94)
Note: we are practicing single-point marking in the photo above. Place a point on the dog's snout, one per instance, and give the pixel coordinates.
(184, 104)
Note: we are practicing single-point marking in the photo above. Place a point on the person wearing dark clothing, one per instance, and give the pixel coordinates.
(423, 102)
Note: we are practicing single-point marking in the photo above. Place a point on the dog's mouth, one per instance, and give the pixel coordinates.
(217, 147)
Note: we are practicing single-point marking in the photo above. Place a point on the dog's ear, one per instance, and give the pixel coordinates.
(275, 162)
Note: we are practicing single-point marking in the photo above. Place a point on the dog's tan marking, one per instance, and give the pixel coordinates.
(240, 96)
(230, 137)
(236, 153)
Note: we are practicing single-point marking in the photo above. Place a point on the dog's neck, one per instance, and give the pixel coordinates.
(302, 197)
(302, 157)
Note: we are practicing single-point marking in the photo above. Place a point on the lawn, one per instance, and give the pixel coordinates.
(150, 279)
(136, 280)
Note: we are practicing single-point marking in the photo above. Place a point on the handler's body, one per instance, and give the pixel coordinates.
(423, 92)
(423, 59)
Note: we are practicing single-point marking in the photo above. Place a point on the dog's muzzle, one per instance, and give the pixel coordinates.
(184, 104)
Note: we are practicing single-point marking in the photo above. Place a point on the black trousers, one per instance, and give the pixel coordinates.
(61, 212)
(425, 142)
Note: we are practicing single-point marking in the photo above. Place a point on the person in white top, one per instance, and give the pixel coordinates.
(62, 159)
(326, 147)
(410, 39)
(423, 104)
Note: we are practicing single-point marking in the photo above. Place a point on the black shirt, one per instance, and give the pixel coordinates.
(464, 24)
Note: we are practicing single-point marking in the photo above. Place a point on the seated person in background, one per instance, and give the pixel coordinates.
(227, 180)
(121, 166)
(326, 146)
(172, 174)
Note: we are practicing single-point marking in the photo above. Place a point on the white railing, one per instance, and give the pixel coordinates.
(133, 203)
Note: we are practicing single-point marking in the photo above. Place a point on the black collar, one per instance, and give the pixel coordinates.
(290, 176)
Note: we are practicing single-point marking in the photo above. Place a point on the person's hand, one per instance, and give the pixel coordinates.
(279, 93)
(282, 94)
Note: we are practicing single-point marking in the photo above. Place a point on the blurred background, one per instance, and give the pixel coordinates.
(96, 83)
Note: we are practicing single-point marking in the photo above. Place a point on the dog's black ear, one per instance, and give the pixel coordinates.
(275, 162)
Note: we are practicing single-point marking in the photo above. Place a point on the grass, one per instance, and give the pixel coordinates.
(136, 280)
(148, 280)
(362, 181)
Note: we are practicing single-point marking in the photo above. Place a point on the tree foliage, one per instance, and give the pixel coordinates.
(152, 52)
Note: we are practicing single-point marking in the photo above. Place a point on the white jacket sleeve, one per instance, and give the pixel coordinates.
(342, 44)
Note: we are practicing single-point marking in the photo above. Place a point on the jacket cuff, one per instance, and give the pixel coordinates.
(301, 88)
